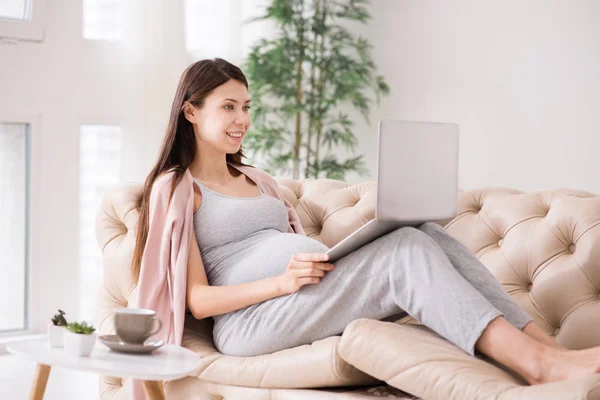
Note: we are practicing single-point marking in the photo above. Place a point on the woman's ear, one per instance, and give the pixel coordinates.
(189, 112)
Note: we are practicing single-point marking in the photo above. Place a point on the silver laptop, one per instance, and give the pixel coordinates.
(417, 180)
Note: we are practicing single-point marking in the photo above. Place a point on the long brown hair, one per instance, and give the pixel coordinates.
(179, 145)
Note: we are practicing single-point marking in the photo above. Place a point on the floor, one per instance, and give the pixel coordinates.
(16, 377)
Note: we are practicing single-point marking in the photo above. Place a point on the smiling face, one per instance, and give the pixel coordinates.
(224, 119)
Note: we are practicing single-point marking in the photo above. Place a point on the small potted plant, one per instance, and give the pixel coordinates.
(56, 328)
(79, 339)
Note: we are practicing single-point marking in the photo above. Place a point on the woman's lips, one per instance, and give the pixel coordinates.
(235, 138)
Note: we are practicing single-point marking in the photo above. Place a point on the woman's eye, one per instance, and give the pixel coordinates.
(230, 107)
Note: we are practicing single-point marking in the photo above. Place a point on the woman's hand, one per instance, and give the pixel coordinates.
(303, 269)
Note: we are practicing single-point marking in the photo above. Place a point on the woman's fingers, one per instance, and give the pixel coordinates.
(307, 281)
(315, 257)
(309, 272)
(308, 265)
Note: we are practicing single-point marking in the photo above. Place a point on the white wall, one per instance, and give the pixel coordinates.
(520, 77)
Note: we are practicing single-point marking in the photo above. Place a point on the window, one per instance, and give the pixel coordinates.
(103, 19)
(14, 222)
(15, 9)
(100, 170)
(23, 19)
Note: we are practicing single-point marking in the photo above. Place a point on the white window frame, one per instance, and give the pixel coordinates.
(33, 30)
(34, 325)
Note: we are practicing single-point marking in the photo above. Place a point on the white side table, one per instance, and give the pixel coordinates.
(167, 363)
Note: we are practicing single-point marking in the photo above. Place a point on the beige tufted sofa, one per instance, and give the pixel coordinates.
(543, 247)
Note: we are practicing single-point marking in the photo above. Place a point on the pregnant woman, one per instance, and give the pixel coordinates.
(269, 287)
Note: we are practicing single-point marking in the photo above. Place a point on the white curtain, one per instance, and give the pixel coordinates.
(154, 56)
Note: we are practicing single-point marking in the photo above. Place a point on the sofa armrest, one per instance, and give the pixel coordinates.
(415, 359)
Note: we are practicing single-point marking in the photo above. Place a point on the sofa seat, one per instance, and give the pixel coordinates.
(313, 365)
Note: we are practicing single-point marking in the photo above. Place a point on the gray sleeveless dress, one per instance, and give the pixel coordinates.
(425, 272)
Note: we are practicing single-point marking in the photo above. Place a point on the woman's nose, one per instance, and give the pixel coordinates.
(242, 119)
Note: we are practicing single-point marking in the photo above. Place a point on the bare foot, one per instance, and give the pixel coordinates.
(559, 365)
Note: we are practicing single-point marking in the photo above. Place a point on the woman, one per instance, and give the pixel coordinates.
(269, 287)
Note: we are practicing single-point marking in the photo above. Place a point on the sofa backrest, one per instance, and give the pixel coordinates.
(543, 247)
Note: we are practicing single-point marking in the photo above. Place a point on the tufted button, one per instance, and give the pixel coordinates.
(572, 249)
(529, 286)
(500, 242)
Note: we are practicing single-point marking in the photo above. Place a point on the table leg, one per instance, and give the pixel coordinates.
(154, 390)
(39, 382)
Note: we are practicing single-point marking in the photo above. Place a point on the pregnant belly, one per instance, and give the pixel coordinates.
(258, 257)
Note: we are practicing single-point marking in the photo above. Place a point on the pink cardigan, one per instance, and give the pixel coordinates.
(163, 273)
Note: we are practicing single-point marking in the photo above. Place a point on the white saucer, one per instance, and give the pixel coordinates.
(114, 343)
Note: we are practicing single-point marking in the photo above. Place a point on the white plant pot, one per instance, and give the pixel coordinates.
(78, 344)
(55, 335)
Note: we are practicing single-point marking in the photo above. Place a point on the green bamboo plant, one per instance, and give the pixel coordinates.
(301, 81)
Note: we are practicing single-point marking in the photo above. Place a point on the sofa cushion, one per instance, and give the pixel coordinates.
(543, 248)
(424, 364)
(314, 365)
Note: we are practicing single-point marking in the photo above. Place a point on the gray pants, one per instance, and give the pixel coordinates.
(422, 272)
